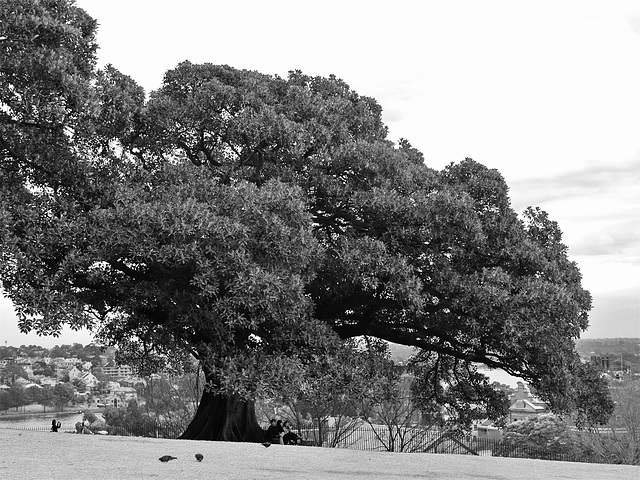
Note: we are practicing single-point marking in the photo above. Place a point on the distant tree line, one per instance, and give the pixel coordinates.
(76, 350)
(17, 396)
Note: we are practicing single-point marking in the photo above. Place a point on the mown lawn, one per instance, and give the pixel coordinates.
(26, 455)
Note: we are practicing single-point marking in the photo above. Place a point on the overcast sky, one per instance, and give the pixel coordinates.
(547, 92)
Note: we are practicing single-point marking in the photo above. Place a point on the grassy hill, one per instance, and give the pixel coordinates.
(29, 454)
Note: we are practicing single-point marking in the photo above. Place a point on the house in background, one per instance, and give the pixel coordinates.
(47, 381)
(120, 397)
(117, 372)
(90, 380)
(27, 386)
(525, 405)
(486, 430)
(74, 373)
(28, 368)
(111, 385)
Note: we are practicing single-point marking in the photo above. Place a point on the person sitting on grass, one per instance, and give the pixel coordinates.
(288, 437)
(55, 425)
(273, 432)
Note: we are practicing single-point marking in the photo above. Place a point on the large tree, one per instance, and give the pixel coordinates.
(251, 221)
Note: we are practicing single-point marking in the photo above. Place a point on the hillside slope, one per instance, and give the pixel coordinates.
(28, 455)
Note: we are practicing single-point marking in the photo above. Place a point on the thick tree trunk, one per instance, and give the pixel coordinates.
(224, 418)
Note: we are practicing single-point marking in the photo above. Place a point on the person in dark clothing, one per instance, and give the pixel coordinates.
(273, 432)
(280, 431)
(289, 437)
(55, 425)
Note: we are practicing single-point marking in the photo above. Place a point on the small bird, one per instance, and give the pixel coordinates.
(266, 444)
(166, 458)
(199, 457)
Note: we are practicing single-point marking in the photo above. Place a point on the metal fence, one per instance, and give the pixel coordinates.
(154, 431)
(29, 429)
(149, 430)
(433, 440)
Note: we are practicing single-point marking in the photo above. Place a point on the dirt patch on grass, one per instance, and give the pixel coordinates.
(25, 455)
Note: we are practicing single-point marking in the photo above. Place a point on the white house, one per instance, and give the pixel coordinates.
(485, 429)
(47, 381)
(121, 396)
(90, 380)
(111, 386)
(75, 373)
(72, 361)
(29, 385)
(28, 368)
(117, 371)
(525, 405)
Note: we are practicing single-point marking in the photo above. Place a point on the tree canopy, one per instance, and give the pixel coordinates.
(253, 221)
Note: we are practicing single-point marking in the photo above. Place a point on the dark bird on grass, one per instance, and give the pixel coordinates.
(266, 444)
(166, 458)
(199, 457)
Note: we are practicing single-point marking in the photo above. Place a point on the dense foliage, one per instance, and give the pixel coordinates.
(253, 221)
(550, 437)
(18, 396)
(541, 436)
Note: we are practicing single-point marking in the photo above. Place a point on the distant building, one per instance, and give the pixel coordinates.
(111, 385)
(525, 405)
(486, 430)
(28, 369)
(69, 362)
(120, 397)
(75, 373)
(30, 385)
(117, 371)
(133, 381)
(48, 381)
(5, 362)
(90, 380)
